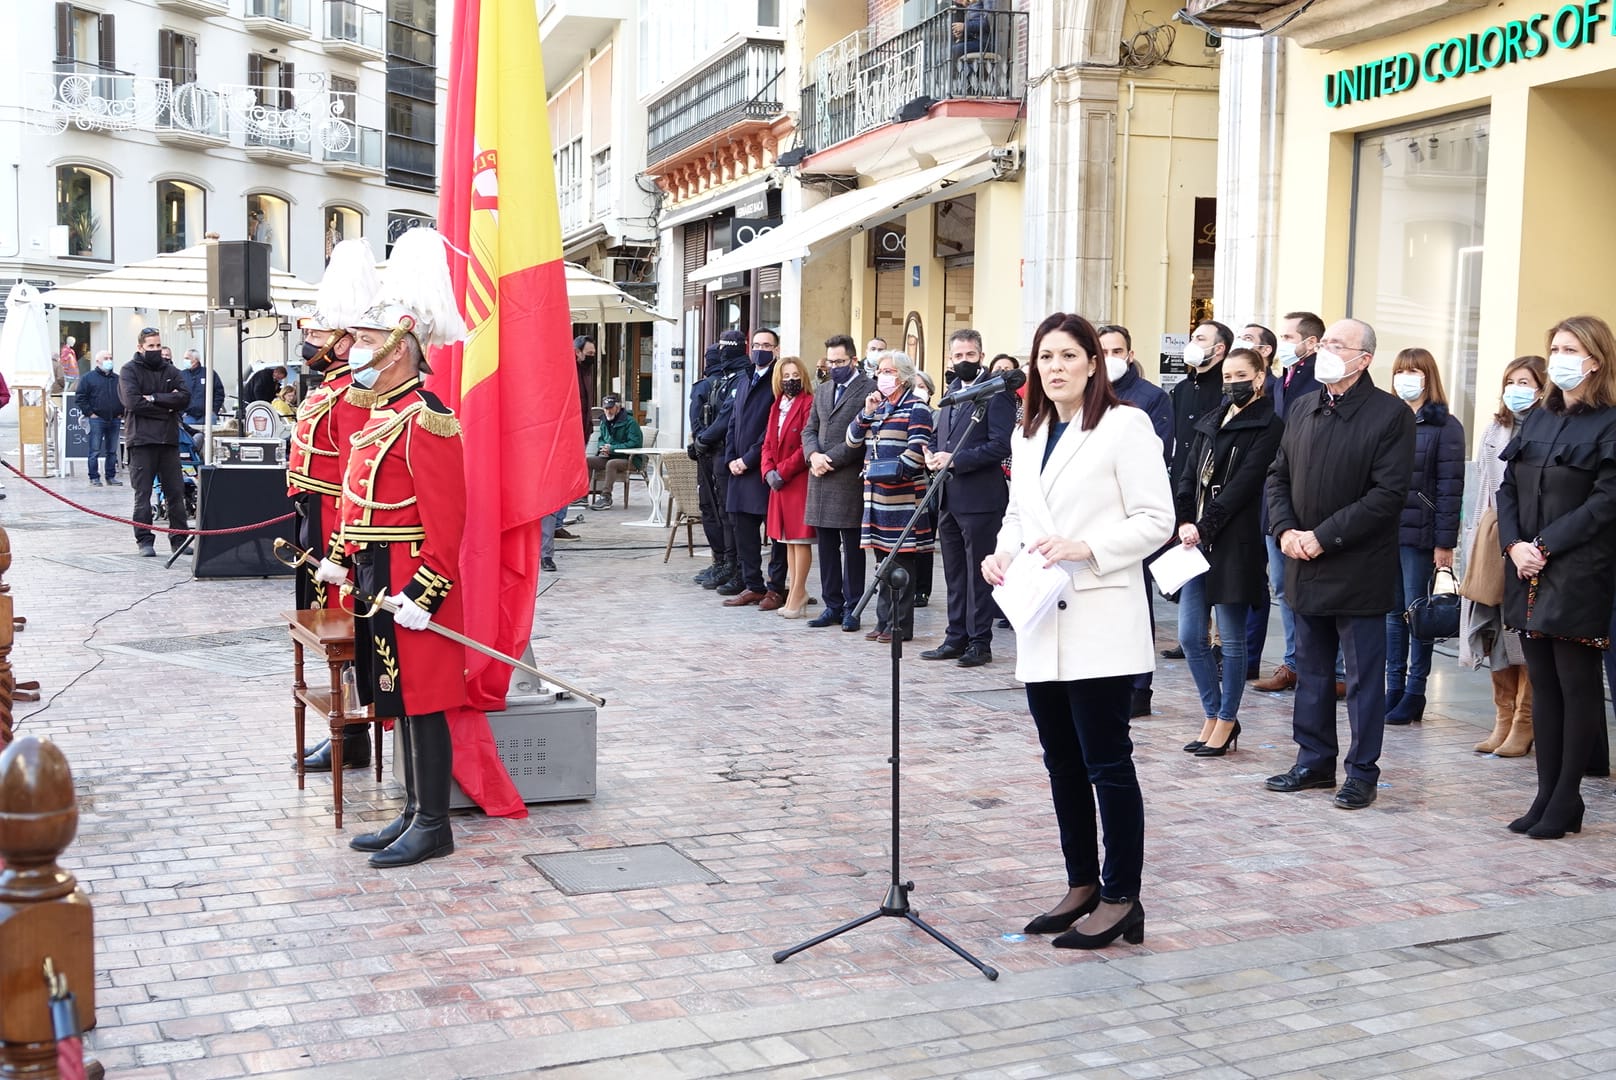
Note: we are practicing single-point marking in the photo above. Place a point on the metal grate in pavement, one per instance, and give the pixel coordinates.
(256, 650)
(644, 866)
(1009, 699)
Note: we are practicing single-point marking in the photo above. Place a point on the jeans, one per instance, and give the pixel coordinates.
(548, 524)
(1408, 659)
(1194, 612)
(1276, 582)
(1361, 639)
(104, 444)
(1083, 727)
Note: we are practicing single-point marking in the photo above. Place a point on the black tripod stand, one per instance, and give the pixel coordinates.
(894, 579)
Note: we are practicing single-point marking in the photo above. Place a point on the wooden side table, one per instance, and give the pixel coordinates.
(330, 633)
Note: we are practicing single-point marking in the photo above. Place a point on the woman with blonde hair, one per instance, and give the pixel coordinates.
(1557, 525)
(785, 470)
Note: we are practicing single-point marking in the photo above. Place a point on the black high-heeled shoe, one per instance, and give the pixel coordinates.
(1054, 924)
(1543, 831)
(1526, 821)
(1130, 928)
(1231, 743)
(1191, 747)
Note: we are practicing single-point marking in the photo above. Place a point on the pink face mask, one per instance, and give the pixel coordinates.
(886, 383)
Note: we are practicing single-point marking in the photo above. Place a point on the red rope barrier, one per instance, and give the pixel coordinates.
(53, 493)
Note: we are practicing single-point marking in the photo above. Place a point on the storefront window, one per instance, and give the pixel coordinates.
(84, 205)
(1420, 197)
(267, 222)
(179, 215)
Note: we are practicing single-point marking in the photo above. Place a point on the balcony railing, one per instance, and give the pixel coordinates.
(192, 111)
(294, 13)
(347, 144)
(348, 23)
(93, 98)
(956, 54)
(741, 85)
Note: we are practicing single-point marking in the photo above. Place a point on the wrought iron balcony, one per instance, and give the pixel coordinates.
(349, 149)
(741, 85)
(350, 29)
(954, 55)
(192, 115)
(284, 19)
(93, 98)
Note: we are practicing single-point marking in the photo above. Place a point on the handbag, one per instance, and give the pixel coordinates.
(1435, 615)
(886, 471)
(1484, 566)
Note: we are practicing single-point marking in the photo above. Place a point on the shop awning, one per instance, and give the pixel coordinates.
(596, 300)
(851, 212)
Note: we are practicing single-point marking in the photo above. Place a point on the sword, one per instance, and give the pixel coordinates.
(292, 555)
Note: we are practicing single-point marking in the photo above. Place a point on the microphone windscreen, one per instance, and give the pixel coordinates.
(1014, 379)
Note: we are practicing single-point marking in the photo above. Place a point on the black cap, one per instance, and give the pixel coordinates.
(733, 337)
(610, 400)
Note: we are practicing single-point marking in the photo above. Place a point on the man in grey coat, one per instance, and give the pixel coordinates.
(835, 487)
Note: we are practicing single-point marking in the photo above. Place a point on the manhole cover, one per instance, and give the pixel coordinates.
(257, 650)
(1010, 699)
(646, 866)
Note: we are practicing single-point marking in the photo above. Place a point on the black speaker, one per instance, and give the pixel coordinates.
(238, 276)
(231, 497)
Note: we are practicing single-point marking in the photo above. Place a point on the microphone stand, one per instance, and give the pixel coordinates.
(893, 578)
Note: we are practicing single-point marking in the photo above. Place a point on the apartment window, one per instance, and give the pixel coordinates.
(84, 38)
(345, 98)
(84, 205)
(181, 212)
(569, 170)
(768, 14)
(176, 57)
(268, 222)
(272, 82)
(400, 222)
(412, 116)
(341, 223)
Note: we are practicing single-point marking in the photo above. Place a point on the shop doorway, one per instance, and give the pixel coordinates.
(732, 311)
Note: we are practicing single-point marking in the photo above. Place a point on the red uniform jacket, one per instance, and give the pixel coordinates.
(326, 421)
(783, 453)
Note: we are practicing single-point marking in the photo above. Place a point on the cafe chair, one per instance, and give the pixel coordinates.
(679, 474)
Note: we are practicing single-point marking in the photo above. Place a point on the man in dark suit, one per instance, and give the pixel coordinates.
(971, 504)
(748, 497)
(835, 489)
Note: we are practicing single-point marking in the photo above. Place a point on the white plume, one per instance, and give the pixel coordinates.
(417, 276)
(350, 284)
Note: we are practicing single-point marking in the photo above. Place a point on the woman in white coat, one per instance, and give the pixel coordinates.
(1089, 493)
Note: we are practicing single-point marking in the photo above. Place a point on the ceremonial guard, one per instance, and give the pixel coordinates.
(326, 420)
(402, 515)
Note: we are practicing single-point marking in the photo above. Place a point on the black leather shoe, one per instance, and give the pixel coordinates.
(850, 624)
(1175, 653)
(975, 656)
(945, 651)
(922, 599)
(1131, 928)
(733, 587)
(826, 618)
(1355, 794)
(324, 746)
(1300, 778)
(355, 753)
(1055, 924)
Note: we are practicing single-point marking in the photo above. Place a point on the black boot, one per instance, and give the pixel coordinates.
(323, 748)
(384, 836)
(432, 761)
(733, 583)
(710, 573)
(355, 752)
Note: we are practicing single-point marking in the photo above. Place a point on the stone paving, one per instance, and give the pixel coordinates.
(238, 935)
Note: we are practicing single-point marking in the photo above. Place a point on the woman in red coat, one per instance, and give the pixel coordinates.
(785, 469)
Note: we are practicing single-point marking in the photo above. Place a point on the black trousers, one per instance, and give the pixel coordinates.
(712, 513)
(312, 538)
(1568, 719)
(1361, 639)
(841, 568)
(161, 463)
(967, 539)
(749, 551)
(718, 475)
(895, 609)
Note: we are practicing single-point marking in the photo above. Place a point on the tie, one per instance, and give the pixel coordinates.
(836, 397)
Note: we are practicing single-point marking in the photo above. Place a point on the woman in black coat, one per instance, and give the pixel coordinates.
(1428, 530)
(1556, 513)
(1219, 507)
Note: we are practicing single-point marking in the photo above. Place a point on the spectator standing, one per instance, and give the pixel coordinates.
(1089, 493)
(925, 561)
(971, 505)
(1334, 494)
(748, 494)
(584, 352)
(702, 410)
(98, 402)
(196, 382)
(710, 445)
(1556, 511)
(835, 501)
(894, 427)
(265, 383)
(1482, 636)
(1265, 343)
(619, 431)
(872, 354)
(1428, 531)
(785, 470)
(154, 397)
(1218, 501)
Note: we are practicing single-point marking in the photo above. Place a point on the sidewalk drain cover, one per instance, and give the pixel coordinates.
(258, 650)
(1010, 699)
(645, 866)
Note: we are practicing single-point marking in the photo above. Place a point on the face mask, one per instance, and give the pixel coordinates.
(1115, 367)
(360, 357)
(1329, 368)
(152, 357)
(840, 375)
(1408, 385)
(1239, 392)
(106, 365)
(1287, 354)
(1517, 399)
(966, 371)
(1565, 371)
(309, 351)
(1194, 355)
(791, 387)
(762, 357)
(886, 383)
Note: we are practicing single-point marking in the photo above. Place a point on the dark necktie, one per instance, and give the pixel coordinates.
(836, 397)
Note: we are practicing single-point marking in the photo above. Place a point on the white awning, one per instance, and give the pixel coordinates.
(851, 212)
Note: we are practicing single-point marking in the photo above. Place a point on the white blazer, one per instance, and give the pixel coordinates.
(1108, 488)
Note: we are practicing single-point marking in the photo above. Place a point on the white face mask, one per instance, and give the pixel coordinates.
(1517, 399)
(1115, 367)
(1328, 367)
(1408, 385)
(1287, 354)
(1194, 355)
(1565, 370)
(360, 357)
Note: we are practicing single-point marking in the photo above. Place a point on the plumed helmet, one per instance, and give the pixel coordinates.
(349, 287)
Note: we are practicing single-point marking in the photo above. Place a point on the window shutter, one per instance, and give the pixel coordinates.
(768, 278)
(109, 52)
(695, 258)
(165, 55)
(187, 72)
(288, 80)
(64, 31)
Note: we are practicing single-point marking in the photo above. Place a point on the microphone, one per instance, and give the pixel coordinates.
(1010, 380)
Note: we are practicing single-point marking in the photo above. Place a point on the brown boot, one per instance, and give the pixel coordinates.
(1520, 731)
(1504, 686)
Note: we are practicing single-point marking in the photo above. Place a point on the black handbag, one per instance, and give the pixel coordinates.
(886, 471)
(1435, 615)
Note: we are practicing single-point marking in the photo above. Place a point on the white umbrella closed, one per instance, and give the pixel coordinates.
(596, 300)
(26, 349)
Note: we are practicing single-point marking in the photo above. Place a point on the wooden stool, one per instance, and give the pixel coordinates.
(330, 633)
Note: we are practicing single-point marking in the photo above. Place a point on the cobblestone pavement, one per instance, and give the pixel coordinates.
(237, 935)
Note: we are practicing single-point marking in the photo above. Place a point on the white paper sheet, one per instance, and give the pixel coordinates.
(1030, 589)
(1176, 566)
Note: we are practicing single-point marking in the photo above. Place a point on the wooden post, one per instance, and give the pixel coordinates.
(43, 912)
(8, 630)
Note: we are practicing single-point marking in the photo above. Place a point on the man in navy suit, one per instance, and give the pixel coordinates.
(972, 503)
(748, 498)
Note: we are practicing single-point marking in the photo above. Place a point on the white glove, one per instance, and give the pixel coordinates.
(330, 573)
(409, 615)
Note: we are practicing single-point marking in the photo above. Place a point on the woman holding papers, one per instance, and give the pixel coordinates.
(1219, 503)
(1089, 494)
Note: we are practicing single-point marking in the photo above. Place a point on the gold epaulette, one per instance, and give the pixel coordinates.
(359, 397)
(445, 425)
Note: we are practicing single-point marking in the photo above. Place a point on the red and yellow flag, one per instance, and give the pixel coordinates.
(513, 382)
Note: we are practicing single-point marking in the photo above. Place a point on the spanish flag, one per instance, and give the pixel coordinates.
(513, 381)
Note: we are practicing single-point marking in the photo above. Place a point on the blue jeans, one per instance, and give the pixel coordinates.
(1408, 659)
(1194, 613)
(104, 443)
(1276, 582)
